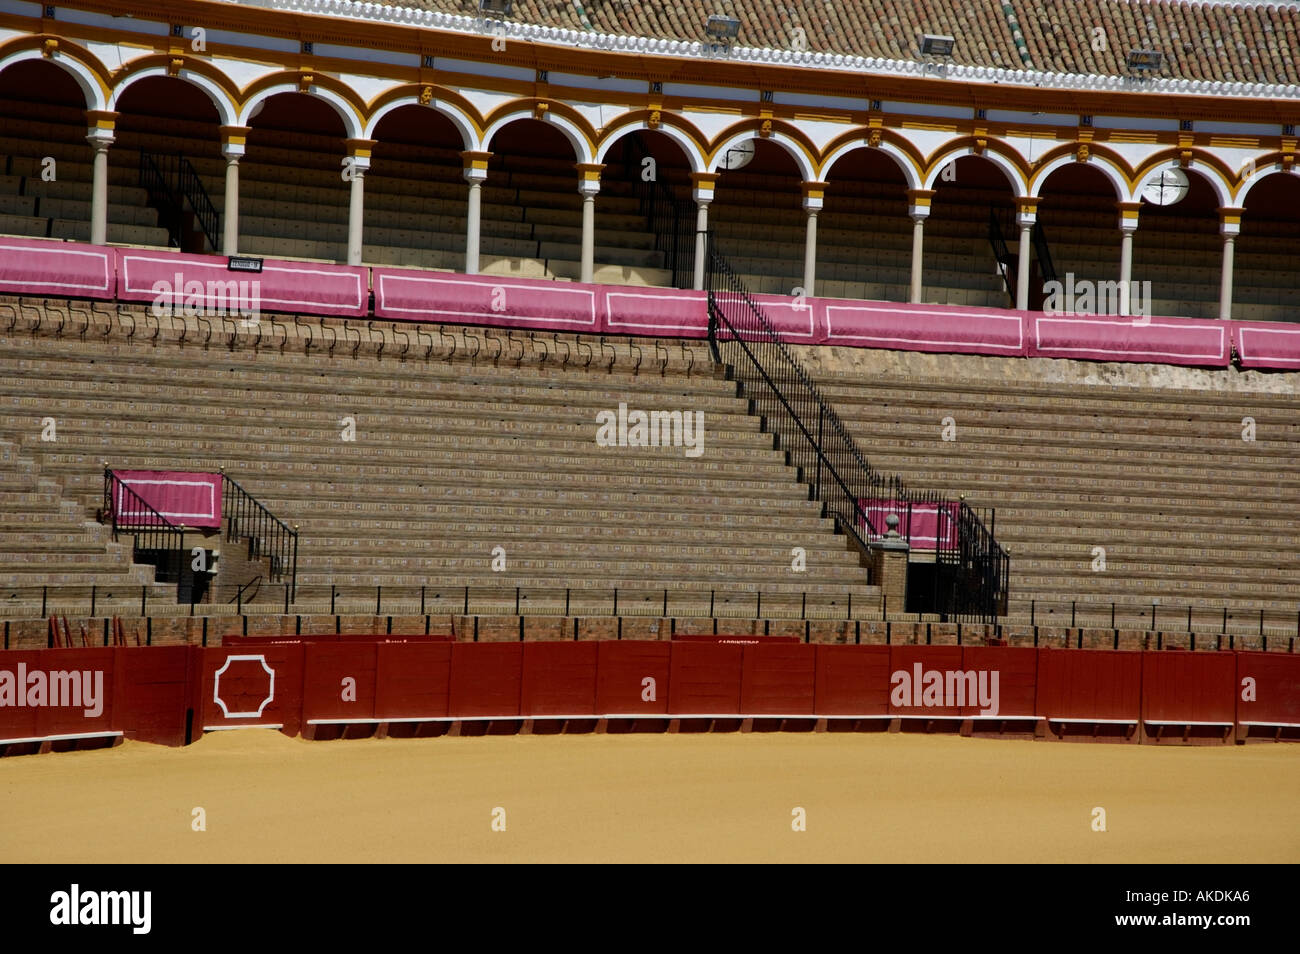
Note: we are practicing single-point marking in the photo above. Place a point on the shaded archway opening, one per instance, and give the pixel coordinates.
(293, 194)
(1266, 283)
(532, 212)
(415, 191)
(166, 127)
(758, 220)
(961, 264)
(1178, 250)
(44, 156)
(652, 235)
(1078, 221)
(864, 237)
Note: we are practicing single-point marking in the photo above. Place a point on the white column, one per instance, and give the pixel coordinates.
(919, 209)
(1128, 223)
(918, 243)
(1025, 218)
(813, 195)
(100, 140)
(702, 192)
(359, 151)
(701, 245)
(475, 172)
(1229, 228)
(233, 141)
(473, 225)
(588, 187)
(230, 223)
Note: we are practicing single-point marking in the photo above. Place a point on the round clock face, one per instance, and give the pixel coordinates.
(1166, 187)
(738, 156)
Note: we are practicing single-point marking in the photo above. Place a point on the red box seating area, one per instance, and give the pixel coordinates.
(326, 688)
(47, 268)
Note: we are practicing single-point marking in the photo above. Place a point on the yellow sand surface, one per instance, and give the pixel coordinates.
(651, 798)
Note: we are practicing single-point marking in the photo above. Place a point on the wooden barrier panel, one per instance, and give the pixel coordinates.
(154, 693)
(919, 682)
(559, 679)
(1017, 683)
(1189, 688)
(1267, 693)
(262, 688)
(632, 677)
(778, 679)
(485, 679)
(338, 680)
(852, 680)
(413, 681)
(704, 679)
(1097, 686)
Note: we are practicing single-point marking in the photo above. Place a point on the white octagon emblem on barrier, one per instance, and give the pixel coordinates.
(216, 687)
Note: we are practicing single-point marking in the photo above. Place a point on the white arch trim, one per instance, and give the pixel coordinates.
(806, 170)
(577, 138)
(1104, 166)
(226, 110)
(1002, 162)
(693, 155)
(901, 159)
(1263, 172)
(351, 123)
(84, 76)
(1222, 191)
(464, 125)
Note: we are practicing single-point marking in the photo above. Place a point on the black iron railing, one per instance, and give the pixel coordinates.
(171, 181)
(269, 538)
(1001, 253)
(971, 569)
(157, 541)
(1046, 269)
(671, 220)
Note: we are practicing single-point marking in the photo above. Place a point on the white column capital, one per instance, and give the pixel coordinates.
(1230, 221)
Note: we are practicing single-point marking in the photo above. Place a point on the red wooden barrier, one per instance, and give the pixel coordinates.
(413, 681)
(1267, 694)
(261, 688)
(1185, 690)
(704, 679)
(338, 681)
(919, 683)
(1017, 683)
(632, 677)
(154, 688)
(852, 681)
(485, 679)
(778, 679)
(559, 679)
(1086, 691)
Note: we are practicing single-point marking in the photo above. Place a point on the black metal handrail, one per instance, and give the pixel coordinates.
(818, 444)
(1046, 269)
(191, 187)
(1001, 252)
(671, 219)
(269, 537)
(156, 540)
(170, 181)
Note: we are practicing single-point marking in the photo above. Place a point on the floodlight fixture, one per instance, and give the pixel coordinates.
(1145, 60)
(937, 44)
(722, 28)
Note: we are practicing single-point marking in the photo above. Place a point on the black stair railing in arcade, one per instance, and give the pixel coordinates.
(970, 578)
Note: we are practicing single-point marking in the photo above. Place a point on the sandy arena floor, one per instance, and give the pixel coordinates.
(656, 798)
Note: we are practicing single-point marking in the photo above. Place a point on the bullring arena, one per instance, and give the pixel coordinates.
(512, 432)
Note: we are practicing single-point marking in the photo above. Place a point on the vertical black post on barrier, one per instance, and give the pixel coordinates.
(566, 601)
(1073, 604)
(1033, 611)
(665, 616)
(379, 599)
(803, 612)
(516, 601)
(466, 613)
(1261, 621)
(1225, 618)
(615, 613)
(712, 593)
(1189, 618)
(45, 592)
(92, 600)
(1153, 617)
(144, 591)
(286, 599)
(333, 590)
(848, 613)
(1112, 614)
